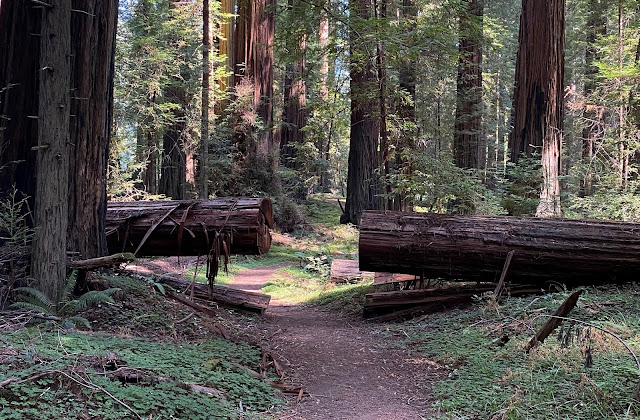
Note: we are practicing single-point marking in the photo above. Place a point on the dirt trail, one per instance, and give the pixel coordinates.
(344, 364)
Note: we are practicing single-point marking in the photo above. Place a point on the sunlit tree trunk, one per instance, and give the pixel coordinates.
(538, 95)
(204, 123)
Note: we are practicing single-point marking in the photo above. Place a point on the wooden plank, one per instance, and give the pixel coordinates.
(387, 278)
(347, 271)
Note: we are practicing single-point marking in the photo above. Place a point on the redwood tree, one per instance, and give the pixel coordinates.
(362, 183)
(467, 141)
(538, 94)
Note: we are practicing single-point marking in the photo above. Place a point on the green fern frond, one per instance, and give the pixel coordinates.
(80, 320)
(68, 307)
(43, 300)
(69, 285)
(94, 297)
(30, 307)
(160, 288)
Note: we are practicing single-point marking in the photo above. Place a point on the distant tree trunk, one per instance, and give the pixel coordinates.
(385, 165)
(294, 114)
(19, 73)
(204, 126)
(362, 183)
(324, 146)
(93, 52)
(173, 170)
(538, 95)
(596, 27)
(406, 109)
(49, 255)
(468, 143)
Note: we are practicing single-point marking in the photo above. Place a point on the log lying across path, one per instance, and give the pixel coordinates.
(170, 228)
(475, 248)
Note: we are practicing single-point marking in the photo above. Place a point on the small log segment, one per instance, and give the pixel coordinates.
(555, 320)
(475, 248)
(347, 271)
(108, 261)
(225, 297)
(385, 306)
(189, 227)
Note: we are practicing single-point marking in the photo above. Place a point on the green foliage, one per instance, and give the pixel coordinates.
(522, 188)
(486, 380)
(32, 299)
(82, 385)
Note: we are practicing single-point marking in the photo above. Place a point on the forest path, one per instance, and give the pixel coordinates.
(346, 365)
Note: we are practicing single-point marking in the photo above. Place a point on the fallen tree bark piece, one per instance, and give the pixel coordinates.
(99, 262)
(188, 227)
(555, 320)
(385, 306)
(347, 271)
(475, 247)
(386, 278)
(225, 297)
(503, 276)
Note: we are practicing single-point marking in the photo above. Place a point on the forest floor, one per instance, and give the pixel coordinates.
(346, 366)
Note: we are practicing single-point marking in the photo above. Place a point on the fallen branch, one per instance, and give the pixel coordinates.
(554, 320)
(99, 262)
(500, 285)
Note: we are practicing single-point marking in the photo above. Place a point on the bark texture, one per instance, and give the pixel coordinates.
(204, 123)
(49, 256)
(364, 159)
(93, 28)
(538, 96)
(475, 247)
(468, 143)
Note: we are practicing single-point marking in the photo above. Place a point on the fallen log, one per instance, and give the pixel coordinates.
(189, 227)
(225, 297)
(100, 262)
(475, 248)
(385, 306)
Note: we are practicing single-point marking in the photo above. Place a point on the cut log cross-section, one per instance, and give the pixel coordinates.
(178, 228)
(475, 248)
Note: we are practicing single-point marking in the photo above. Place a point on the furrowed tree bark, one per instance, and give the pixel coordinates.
(204, 123)
(475, 247)
(324, 145)
(166, 228)
(49, 256)
(362, 182)
(19, 74)
(538, 95)
(468, 143)
(93, 28)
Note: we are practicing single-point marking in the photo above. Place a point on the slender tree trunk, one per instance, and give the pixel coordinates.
(93, 27)
(596, 27)
(468, 143)
(204, 123)
(538, 95)
(49, 256)
(362, 183)
(385, 167)
(325, 143)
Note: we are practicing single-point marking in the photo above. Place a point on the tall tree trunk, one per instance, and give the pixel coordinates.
(204, 123)
(538, 95)
(19, 73)
(294, 114)
(596, 27)
(324, 146)
(49, 256)
(173, 175)
(362, 183)
(385, 167)
(468, 144)
(93, 25)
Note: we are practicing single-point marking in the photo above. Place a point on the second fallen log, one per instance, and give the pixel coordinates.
(475, 248)
(189, 227)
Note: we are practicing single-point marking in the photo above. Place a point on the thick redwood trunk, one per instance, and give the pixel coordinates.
(538, 96)
(475, 248)
(49, 255)
(364, 159)
(93, 49)
(189, 227)
(19, 73)
(468, 143)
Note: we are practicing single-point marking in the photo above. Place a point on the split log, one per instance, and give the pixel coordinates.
(406, 303)
(475, 248)
(347, 271)
(225, 297)
(177, 228)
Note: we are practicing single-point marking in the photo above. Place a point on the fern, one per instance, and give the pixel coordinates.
(94, 297)
(69, 286)
(39, 298)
